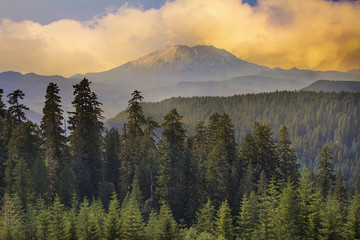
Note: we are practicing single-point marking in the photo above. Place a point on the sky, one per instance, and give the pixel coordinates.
(66, 37)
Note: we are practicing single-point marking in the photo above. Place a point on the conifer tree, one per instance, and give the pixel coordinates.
(30, 223)
(205, 218)
(86, 223)
(152, 229)
(288, 166)
(3, 148)
(171, 176)
(130, 152)
(353, 219)
(58, 229)
(54, 139)
(332, 226)
(16, 111)
(132, 225)
(67, 184)
(39, 176)
(224, 222)
(289, 224)
(248, 217)
(326, 176)
(72, 218)
(86, 137)
(267, 212)
(23, 182)
(99, 216)
(112, 221)
(112, 147)
(221, 158)
(340, 191)
(43, 218)
(167, 227)
(11, 221)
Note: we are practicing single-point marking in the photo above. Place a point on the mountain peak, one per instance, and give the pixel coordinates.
(182, 57)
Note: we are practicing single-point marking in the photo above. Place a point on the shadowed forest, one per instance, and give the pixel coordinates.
(158, 178)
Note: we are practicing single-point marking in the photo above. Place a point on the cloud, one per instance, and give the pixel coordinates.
(277, 33)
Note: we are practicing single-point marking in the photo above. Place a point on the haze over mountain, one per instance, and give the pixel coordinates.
(333, 86)
(174, 70)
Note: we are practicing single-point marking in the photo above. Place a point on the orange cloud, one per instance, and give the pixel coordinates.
(277, 33)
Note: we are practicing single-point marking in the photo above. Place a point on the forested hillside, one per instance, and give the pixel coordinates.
(205, 183)
(313, 119)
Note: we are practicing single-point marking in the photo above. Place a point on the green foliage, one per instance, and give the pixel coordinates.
(289, 222)
(86, 222)
(43, 219)
(112, 147)
(16, 111)
(67, 184)
(205, 218)
(224, 222)
(326, 176)
(11, 218)
(112, 220)
(353, 221)
(40, 177)
(167, 226)
(86, 136)
(248, 218)
(332, 226)
(53, 135)
(58, 223)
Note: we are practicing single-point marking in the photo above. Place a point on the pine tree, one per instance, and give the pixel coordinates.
(23, 182)
(171, 176)
(132, 225)
(311, 204)
(86, 137)
(326, 176)
(152, 229)
(16, 110)
(58, 221)
(167, 226)
(221, 158)
(288, 166)
(112, 221)
(54, 139)
(99, 216)
(332, 227)
(289, 224)
(224, 222)
(3, 140)
(86, 223)
(130, 152)
(43, 218)
(30, 223)
(72, 218)
(340, 190)
(11, 220)
(205, 218)
(267, 212)
(67, 184)
(39, 176)
(248, 217)
(353, 219)
(112, 147)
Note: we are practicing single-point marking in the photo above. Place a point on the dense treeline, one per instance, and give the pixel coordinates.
(312, 118)
(104, 184)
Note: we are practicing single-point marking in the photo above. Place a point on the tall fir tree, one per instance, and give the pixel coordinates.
(247, 220)
(43, 219)
(288, 166)
(11, 221)
(167, 227)
(16, 111)
(130, 152)
(205, 218)
(289, 222)
(3, 148)
(86, 136)
(326, 177)
(54, 139)
(171, 176)
(353, 219)
(112, 221)
(332, 225)
(112, 148)
(224, 222)
(58, 225)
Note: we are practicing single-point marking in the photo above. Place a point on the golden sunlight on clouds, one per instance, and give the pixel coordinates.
(312, 34)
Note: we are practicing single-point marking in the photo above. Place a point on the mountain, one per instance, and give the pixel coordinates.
(333, 86)
(176, 63)
(174, 70)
